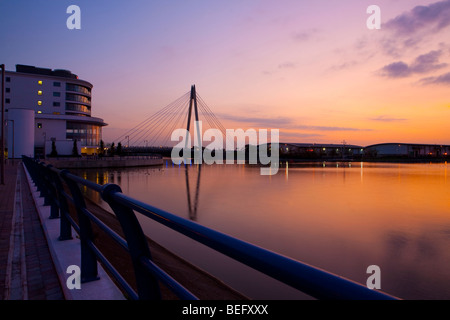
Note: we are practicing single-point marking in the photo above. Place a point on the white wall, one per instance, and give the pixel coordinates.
(20, 133)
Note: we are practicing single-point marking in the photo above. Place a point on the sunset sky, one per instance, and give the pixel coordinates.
(309, 68)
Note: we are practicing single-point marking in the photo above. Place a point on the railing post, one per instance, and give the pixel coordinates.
(65, 228)
(89, 270)
(37, 177)
(53, 199)
(147, 284)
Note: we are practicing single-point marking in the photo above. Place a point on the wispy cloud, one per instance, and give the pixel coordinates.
(387, 119)
(441, 79)
(304, 35)
(287, 65)
(329, 128)
(259, 121)
(283, 122)
(284, 135)
(422, 64)
(343, 66)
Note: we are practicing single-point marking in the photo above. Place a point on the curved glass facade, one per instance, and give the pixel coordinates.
(76, 107)
(78, 88)
(78, 98)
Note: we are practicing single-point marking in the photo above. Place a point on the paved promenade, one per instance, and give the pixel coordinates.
(27, 271)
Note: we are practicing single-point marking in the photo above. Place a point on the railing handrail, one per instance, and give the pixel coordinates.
(308, 279)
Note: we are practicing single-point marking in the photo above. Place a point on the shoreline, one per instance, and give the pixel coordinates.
(104, 162)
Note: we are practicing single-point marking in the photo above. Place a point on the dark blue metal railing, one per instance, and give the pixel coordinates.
(59, 188)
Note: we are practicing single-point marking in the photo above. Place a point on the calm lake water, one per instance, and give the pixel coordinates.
(341, 217)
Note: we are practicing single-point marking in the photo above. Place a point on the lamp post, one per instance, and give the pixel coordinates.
(2, 140)
(13, 154)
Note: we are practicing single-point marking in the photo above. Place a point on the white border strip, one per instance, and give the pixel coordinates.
(66, 253)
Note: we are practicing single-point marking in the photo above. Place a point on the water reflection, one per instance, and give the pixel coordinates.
(193, 208)
(341, 217)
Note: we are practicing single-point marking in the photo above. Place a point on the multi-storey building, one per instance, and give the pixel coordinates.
(45, 107)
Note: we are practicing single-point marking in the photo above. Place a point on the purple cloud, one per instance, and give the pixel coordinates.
(435, 16)
(397, 69)
(422, 64)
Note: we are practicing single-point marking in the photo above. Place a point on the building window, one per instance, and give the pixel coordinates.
(56, 113)
(40, 82)
(86, 134)
(39, 125)
(57, 94)
(39, 103)
(39, 111)
(39, 92)
(8, 79)
(57, 84)
(56, 104)
(7, 100)
(7, 90)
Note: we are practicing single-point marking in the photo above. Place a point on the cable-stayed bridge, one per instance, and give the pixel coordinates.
(156, 131)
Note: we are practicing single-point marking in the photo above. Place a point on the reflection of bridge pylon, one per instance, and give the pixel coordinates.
(193, 209)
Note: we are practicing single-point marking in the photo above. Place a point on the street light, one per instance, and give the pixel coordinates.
(13, 155)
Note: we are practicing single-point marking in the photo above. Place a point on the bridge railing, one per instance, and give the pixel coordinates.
(61, 188)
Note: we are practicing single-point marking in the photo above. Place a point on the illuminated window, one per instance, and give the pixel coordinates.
(40, 82)
(39, 125)
(39, 103)
(39, 111)
(39, 93)
(56, 113)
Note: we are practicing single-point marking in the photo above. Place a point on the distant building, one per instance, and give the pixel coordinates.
(377, 151)
(45, 106)
(407, 150)
(320, 151)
